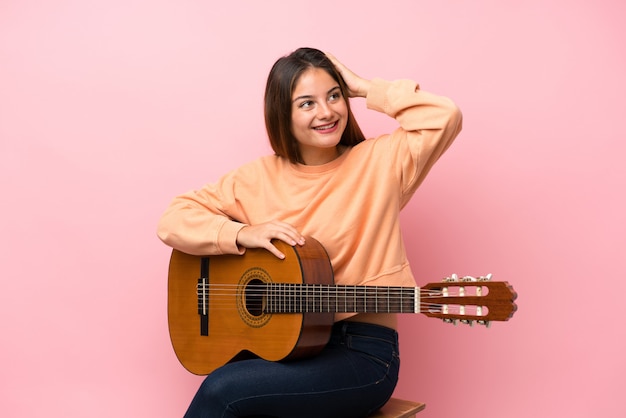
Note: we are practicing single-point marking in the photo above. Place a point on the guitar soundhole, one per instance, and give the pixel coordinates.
(255, 297)
(252, 298)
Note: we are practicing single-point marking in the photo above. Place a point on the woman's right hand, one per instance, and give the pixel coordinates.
(261, 236)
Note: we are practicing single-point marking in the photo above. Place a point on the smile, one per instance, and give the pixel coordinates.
(326, 127)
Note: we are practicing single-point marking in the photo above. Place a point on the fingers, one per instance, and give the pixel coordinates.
(261, 236)
(357, 86)
(282, 231)
(343, 70)
(332, 59)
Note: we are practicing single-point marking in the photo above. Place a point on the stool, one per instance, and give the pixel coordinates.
(398, 408)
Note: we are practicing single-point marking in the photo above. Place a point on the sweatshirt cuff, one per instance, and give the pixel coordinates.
(383, 94)
(227, 238)
(377, 95)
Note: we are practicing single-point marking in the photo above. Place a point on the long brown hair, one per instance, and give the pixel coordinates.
(281, 82)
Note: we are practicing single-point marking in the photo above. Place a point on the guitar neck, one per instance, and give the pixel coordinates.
(304, 298)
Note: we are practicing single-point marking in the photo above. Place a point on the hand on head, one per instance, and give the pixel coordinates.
(357, 86)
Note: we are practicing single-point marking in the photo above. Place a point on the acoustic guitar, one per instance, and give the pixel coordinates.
(228, 307)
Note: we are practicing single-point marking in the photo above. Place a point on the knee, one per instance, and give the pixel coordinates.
(216, 389)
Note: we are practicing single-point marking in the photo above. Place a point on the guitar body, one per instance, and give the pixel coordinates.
(224, 320)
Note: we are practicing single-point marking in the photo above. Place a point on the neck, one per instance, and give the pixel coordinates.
(321, 156)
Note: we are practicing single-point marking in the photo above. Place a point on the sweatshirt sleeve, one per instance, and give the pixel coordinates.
(428, 125)
(197, 222)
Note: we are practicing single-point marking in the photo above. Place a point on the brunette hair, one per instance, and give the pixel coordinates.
(281, 82)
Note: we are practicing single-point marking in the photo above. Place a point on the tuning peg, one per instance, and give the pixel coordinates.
(467, 322)
(485, 278)
(450, 321)
(468, 279)
(452, 278)
(487, 324)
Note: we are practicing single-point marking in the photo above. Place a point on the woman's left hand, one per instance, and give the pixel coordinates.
(357, 86)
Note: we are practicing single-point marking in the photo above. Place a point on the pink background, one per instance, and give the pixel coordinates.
(110, 108)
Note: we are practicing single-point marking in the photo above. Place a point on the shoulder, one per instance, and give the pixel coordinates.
(266, 162)
(252, 171)
(380, 143)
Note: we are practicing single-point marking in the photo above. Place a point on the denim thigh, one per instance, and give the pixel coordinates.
(353, 376)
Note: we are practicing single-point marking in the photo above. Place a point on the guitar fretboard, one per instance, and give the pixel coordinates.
(303, 298)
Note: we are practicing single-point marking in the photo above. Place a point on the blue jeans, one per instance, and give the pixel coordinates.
(354, 375)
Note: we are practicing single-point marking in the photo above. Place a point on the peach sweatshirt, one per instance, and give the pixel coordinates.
(351, 205)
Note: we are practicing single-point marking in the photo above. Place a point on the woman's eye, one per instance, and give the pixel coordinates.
(306, 104)
(334, 97)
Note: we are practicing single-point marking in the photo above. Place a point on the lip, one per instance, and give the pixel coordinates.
(327, 128)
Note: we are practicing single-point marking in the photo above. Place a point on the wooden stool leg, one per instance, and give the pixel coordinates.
(399, 408)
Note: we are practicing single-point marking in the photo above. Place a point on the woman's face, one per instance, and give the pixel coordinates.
(319, 115)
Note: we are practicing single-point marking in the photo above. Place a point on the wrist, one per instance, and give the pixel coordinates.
(364, 88)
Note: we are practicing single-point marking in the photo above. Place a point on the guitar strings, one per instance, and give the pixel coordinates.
(423, 308)
(301, 297)
(309, 289)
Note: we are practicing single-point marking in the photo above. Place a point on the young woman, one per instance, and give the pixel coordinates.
(325, 181)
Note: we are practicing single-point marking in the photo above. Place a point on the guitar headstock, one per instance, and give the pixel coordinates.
(468, 299)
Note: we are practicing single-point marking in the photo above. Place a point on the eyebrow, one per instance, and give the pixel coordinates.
(308, 96)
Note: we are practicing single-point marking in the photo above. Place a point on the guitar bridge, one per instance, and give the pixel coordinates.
(202, 292)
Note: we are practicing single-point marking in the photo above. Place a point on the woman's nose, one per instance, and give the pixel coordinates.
(324, 111)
